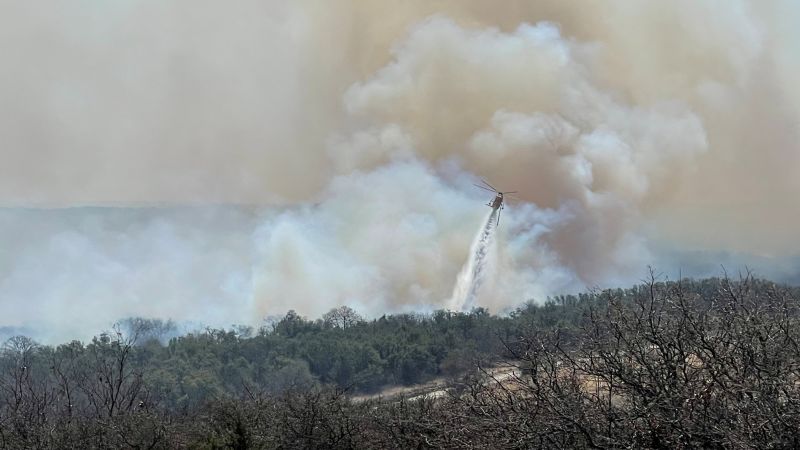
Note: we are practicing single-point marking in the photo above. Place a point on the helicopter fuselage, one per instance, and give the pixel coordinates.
(497, 201)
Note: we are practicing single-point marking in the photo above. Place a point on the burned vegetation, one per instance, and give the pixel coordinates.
(691, 364)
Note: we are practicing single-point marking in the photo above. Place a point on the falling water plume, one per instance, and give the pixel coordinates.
(474, 271)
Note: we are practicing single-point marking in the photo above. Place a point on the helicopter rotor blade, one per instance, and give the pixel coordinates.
(487, 183)
(510, 192)
(482, 187)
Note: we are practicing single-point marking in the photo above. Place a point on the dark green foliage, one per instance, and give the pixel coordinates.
(710, 363)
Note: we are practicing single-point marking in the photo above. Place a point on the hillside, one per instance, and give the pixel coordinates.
(664, 364)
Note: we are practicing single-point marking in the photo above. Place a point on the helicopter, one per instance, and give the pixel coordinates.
(497, 202)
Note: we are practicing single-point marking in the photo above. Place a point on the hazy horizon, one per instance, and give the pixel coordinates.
(219, 163)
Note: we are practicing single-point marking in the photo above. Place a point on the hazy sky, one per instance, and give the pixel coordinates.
(349, 133)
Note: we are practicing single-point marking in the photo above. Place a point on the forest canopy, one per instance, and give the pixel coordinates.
(700, 363)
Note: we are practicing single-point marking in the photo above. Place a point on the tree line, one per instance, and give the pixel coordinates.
(710, 363)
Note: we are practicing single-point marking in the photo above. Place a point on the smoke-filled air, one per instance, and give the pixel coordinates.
(217, 163)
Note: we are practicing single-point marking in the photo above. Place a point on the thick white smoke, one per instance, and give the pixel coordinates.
(391, 239)
(520, 108)
(635, 132)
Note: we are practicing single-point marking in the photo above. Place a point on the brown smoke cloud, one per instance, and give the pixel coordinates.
(626, 127)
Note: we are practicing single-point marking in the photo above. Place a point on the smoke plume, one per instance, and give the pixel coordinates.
(326, 151)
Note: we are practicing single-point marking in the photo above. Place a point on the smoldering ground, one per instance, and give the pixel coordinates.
(635, 133)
